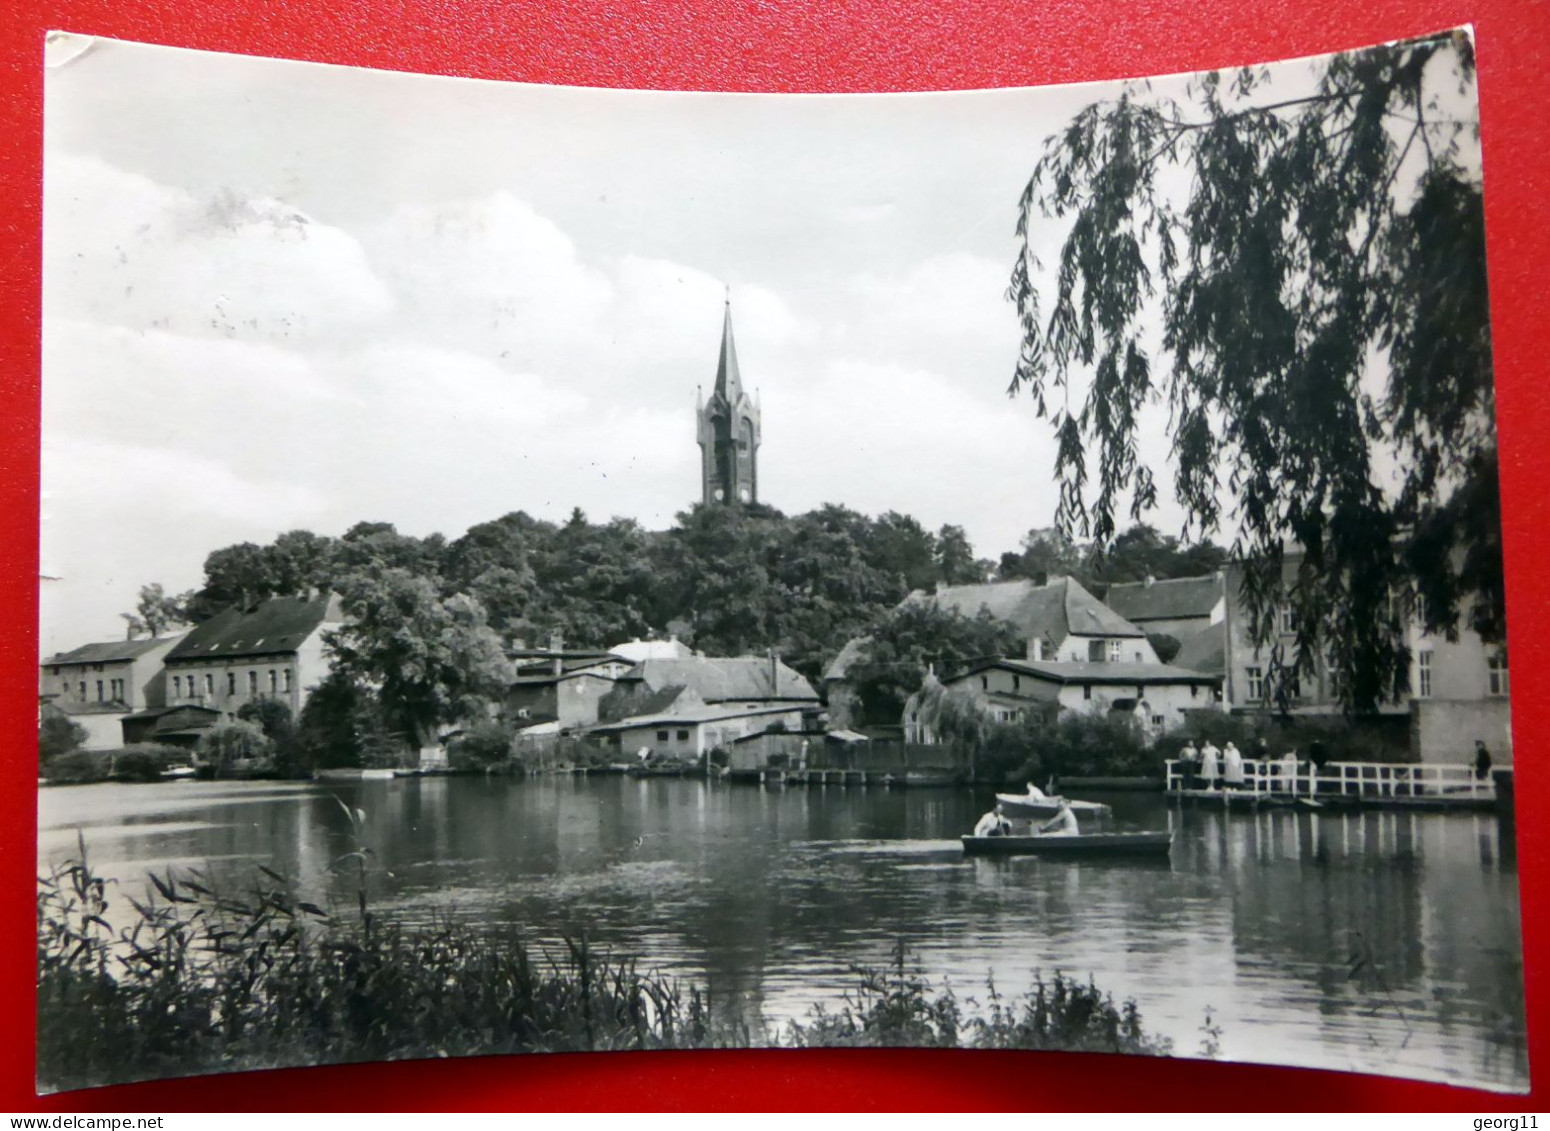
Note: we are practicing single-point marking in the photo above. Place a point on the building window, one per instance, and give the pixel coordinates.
(1423, 670)
(287, 679)
(683, 736)
(96, 667)
(99, 691)
(116, 688)
(81, 687)
(64, 687)
(984, 683)
(662, 735)
(1115, 651)
(1496, 674)
(210, 684)
(231, 683)
(1017, 683)
(1286, 620)
(1158, 720)
(177, 687)
(1254, 680)
(1087, 691)
(252, 683)
(274, 681)
(53, 671)
(1420, 611)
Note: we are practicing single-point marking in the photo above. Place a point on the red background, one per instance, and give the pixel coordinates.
(812, 45)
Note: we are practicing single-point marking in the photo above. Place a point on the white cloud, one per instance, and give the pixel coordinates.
(121, 249)
(491, 277)
(893, 437)
(116, 516)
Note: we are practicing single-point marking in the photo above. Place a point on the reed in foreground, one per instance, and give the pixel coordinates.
(204, 981)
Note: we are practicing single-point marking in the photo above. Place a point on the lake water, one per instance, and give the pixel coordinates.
(1381, 942)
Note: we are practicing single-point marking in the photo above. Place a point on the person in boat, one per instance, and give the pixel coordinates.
(1189, 765)
(1210, 768)
(1063, 823)
(1482, 761)
(1232, 767)
(1035, 793)
(993, 823)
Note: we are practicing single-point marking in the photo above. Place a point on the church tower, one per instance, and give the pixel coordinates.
(729, 432)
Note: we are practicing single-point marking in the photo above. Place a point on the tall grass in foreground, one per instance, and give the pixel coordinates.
(204, 981)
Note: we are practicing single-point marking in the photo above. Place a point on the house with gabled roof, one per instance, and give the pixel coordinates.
(1058, 621)
(1158, 696)
(273, 650)
(98, 685)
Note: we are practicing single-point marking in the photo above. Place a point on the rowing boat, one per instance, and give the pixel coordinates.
(1035, 807)
(1080, 844)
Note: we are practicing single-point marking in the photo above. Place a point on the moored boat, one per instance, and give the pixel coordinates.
(1153, 844)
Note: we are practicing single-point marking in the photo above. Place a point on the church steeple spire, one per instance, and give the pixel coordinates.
(729, 382)
(729, 430)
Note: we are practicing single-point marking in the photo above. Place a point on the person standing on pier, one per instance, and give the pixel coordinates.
(1482, 761)
(1209, 770)
(1189, 766)
(1232, 767)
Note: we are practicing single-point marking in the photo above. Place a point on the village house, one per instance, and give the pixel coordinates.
(1159, 696)
(97, 686)
(689, 728)
(1057, 621)
(270, 651)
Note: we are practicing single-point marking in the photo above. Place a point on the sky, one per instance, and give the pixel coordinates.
(282, 295)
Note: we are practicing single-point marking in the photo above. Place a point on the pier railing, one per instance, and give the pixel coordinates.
(1358, 780)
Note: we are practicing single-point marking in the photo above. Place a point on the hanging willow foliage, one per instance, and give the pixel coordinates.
(1312, 266)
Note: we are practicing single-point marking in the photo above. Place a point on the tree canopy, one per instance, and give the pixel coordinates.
(1308, 257)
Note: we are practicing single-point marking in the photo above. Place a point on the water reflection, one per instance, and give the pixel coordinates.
(1378, 941)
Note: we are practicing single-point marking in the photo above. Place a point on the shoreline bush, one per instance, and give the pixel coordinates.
(202, 981)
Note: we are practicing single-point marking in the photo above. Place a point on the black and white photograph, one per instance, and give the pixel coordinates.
(544, 569)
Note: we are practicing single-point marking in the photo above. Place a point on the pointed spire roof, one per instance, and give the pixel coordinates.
(729, 382)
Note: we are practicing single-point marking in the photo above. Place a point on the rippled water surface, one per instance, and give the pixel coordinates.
(1384, 942)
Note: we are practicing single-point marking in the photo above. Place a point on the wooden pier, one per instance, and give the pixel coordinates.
(1377, 785)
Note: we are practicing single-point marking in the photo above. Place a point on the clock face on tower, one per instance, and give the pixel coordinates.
(744, 495)
(719, 494)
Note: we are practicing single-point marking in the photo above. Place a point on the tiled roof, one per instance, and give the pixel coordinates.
(1055, 610)
(1089, 672)
(1172, 599)
(725, 678)
(1206, 651)
(111, 652)
(275, 626)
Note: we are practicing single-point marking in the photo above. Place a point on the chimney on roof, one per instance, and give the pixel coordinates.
(774, 673)
(556, 646)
